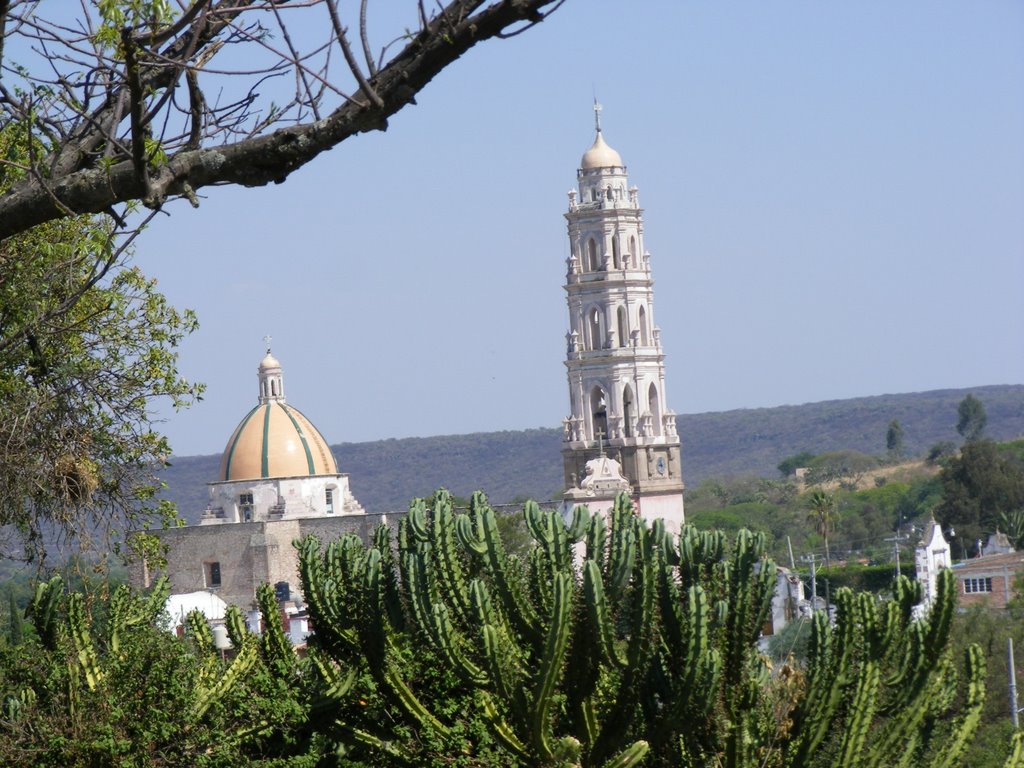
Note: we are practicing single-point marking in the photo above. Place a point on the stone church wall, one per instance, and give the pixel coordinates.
(232, 560)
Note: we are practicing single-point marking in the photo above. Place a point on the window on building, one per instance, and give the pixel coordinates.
(245, 506)
(329, 498)
(212, 575)
(974, 586)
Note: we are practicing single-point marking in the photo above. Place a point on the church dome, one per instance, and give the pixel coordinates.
(600, 155)
(275, 439)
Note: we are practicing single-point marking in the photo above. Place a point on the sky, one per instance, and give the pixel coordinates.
(833, 197)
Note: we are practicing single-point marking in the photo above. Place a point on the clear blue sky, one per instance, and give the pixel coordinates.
(834, 199)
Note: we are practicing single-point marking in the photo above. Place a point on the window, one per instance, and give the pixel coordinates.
(329, 498)
(973, 586)
(592, 264)
(212, 575)
(245, 505)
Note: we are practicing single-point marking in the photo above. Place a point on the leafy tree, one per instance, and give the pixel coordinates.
(971, 418)
(977, 487)
(844, 466)
(789, 465)
(940, 451)
(894, 440)
(822, 515)
(121, 112)
(87, 344)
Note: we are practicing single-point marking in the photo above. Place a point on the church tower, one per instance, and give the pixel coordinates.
(615, 363)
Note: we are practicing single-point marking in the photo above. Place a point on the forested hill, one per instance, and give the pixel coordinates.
(386, 474)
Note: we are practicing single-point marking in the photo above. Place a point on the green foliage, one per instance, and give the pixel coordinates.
(978, 486)
(105, 685)
(894, 440)
(791, 464)
(87, 344)
(842, 466)
(971, 418)
(876, 579)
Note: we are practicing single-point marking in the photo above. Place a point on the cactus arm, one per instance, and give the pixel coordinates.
(578, 524)
(43, 611)
(1016, 756)
(274, 643)
(331, 626)
(629, 757)
(369, 740)
(597, 612)
(517, 608)
(966, 725)
(240, 666)
(597, 539)
(337, 686)
(550, 665)
(450, 575)
(501, 728)
(373, 641)
(84, 648)
(467, 536)
(862, 711)
(389, 573)
(444, 638)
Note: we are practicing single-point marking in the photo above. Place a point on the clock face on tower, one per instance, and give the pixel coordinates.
(661, 465)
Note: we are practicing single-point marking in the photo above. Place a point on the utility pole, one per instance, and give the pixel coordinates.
(1014, 709)
(811, 558)
(896, 548)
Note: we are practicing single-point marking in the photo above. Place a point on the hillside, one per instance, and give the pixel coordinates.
(386, 474)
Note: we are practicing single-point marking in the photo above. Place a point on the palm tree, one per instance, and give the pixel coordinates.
(822, 515)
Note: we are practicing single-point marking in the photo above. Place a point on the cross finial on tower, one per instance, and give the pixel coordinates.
(597, 115)
(266, 340)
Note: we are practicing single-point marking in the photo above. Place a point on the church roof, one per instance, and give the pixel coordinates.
(600, 155)
(275, 440)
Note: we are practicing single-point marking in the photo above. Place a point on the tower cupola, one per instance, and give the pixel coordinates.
(271, 378)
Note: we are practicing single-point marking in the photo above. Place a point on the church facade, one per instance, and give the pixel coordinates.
(278, 481)
(614, 358)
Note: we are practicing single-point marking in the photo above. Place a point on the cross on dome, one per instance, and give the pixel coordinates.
(597, 115)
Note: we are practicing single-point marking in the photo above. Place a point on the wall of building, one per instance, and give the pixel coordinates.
(245, 554)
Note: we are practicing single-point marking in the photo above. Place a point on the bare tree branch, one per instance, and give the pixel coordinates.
(90, 117)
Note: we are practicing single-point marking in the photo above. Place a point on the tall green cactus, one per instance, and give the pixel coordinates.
(615, 640)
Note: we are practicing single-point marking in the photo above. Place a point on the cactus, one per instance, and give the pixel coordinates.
(642, 649)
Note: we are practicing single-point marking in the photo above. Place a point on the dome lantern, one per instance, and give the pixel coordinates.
(271, 378)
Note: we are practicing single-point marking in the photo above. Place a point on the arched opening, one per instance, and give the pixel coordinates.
(594, 326)
(628, 410)
(654, 406)
(643, 327)
(599, 412)
(592, 255)
(632, 251)
(616, 262)
(623, 330)
(273, 388)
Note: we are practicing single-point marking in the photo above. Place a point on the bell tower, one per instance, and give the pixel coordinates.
(614, 359)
